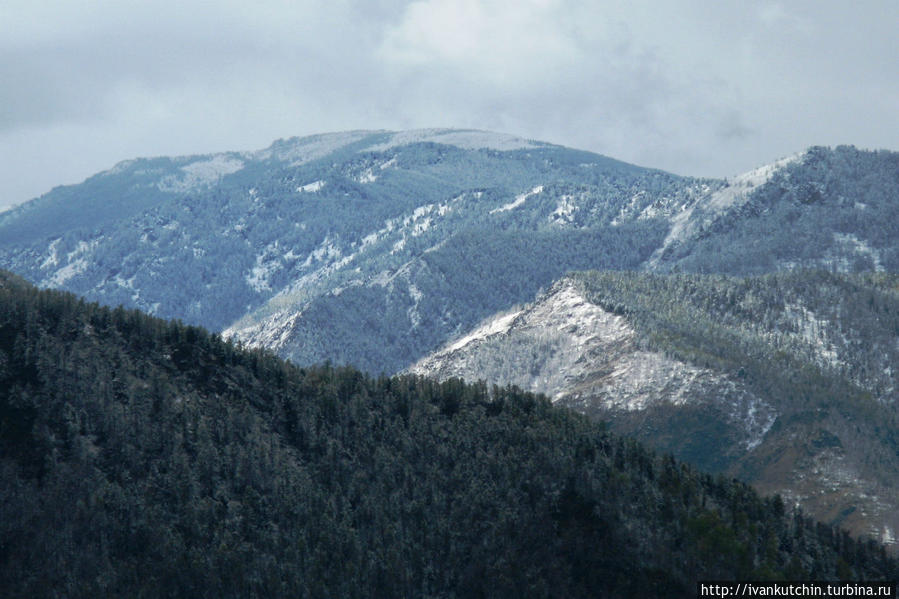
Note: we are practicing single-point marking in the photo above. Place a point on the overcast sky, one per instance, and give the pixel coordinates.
(701, 87)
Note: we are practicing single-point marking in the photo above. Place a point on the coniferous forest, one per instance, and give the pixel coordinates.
(145, 458)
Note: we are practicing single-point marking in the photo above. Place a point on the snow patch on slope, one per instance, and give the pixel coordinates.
(272, 325)
(564, 212)
(519, 200)
(495, 326)
(888, 537)
(76, 262)
(562, 323)
(52, 255)
(368, 176)
(273, 332)
(413, 313)
(268, 262)
(814, 333)
(311, 187)
(414, 224)
(202, 173)
(67, 272)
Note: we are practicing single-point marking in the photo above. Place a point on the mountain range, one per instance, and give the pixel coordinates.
(450, 252)
(374, 248)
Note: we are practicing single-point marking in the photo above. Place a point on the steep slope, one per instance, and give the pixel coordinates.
(147, 458)
(291, 246)
(786, 380)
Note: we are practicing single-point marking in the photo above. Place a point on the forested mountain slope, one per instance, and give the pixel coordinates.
(367, 248)
(140, 457)
(374, 248)
(836, 209)
(786, 380)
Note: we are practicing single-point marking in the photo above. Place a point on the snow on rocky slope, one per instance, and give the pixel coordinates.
(584, 356)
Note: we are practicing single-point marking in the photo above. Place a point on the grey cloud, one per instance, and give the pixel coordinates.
(731, 127)
(76, 77)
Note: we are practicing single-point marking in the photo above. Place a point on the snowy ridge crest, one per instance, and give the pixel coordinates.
(686, 222)
(464, 139)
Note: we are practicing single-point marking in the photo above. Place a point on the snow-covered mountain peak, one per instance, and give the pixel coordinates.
(301, 150)
(467, 139)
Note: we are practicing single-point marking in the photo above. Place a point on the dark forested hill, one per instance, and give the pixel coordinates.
(140, 457)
